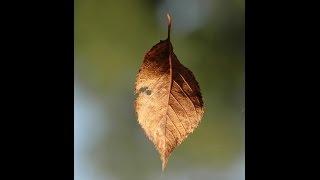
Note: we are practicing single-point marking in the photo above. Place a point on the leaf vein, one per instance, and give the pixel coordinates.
(174, 124)
(187, 96)
(178, 118)
(182, 107)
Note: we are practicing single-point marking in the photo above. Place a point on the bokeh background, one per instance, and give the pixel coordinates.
(111, 38)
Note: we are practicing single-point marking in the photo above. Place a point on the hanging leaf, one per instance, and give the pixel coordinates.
(168, 103)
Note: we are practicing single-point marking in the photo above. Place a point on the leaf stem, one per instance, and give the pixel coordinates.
(169, 25)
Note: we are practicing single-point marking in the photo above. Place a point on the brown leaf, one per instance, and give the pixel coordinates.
(168, 103)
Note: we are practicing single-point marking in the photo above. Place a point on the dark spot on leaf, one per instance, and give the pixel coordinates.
(144, 89)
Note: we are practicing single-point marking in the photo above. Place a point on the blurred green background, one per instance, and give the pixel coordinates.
(111, 38)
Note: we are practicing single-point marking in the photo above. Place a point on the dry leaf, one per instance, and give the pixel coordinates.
(168, 103)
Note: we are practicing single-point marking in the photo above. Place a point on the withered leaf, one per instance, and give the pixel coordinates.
(169, 104)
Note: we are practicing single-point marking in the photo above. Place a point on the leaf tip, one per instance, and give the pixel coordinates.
(164, 163)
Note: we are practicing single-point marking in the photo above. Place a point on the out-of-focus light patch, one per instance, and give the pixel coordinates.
(234, 172)
(237, 171)
(89, 126)
(187, 15)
